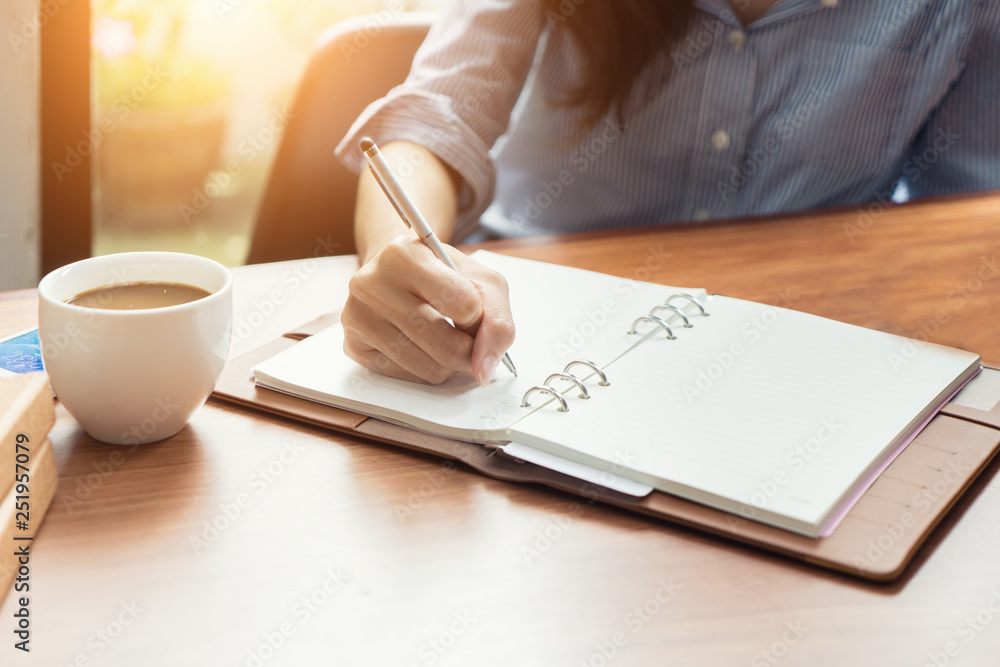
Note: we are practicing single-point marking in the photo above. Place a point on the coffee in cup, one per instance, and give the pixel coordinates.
(138, 295)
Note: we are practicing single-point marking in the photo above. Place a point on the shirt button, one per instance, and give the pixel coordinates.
(830, 4)
(701, 214)
(737, 39)
(720, 139)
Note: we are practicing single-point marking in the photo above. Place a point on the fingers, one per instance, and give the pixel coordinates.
(401, 360)
(396, 319)
(495, 333)
(407, 332)
(432, 281)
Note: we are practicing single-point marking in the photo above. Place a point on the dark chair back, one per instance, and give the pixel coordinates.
(308, 206)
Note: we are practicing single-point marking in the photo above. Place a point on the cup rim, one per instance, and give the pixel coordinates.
(45, 285)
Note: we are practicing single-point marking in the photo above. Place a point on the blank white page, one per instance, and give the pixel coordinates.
(561, 314)
(758, 409)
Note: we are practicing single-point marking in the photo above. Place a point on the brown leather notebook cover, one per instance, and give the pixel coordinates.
(876, 540)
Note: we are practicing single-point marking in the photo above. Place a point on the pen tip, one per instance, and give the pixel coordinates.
(367, 144)
(509, 364)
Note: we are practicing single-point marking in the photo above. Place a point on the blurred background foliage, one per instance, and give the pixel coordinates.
(180, 88)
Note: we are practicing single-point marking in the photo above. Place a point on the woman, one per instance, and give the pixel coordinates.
(525, 117)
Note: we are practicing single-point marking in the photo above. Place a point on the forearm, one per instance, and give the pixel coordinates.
(430, 183)
(407, 313)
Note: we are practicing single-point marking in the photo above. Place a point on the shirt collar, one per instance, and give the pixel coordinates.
(780, 11)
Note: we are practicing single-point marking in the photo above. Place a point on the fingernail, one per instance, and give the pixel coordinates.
(486, 370)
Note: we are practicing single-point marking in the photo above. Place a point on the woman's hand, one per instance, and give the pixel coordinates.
(396, 319)
(396, 316)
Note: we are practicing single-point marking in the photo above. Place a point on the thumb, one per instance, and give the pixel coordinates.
(494, 336)
(495, 332)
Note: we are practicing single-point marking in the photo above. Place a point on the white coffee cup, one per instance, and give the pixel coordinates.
(135, 376)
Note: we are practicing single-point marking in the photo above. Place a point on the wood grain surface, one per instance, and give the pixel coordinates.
(250, 540)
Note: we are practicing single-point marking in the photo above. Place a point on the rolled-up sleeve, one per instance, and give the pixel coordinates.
(959, 148)
(458, 97)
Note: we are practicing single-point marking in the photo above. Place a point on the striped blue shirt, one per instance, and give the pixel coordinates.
(816, 103)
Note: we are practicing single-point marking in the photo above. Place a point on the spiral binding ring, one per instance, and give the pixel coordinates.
(658, 320)
(673, 309)
(604, 378)
(548, 390)
(572, 378)
(688, 297)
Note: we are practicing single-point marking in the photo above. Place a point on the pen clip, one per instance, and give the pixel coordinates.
(392, 200)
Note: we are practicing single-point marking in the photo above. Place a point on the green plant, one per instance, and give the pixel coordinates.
(140, 60)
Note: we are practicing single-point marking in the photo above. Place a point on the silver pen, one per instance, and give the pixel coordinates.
(409, 212)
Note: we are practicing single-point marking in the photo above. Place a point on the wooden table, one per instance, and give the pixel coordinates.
(250, 540)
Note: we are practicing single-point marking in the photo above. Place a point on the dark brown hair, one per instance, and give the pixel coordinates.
(618, 40)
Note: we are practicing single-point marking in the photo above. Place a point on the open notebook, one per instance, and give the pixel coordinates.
(768, 413)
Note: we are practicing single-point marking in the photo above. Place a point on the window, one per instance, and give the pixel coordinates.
(189, 104)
